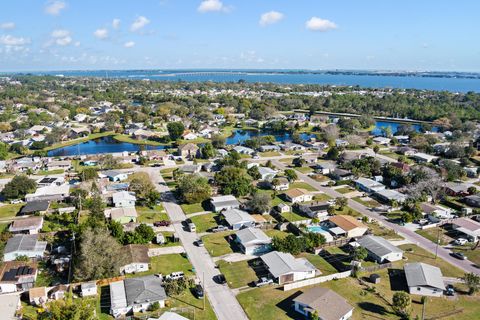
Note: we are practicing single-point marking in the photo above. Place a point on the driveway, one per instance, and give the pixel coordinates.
(409, 235)
(221, 298)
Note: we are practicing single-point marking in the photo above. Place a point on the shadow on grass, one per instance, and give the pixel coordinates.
(187, 302)
(287, 306)
(373, 308)
(398, 281)
(105, 299)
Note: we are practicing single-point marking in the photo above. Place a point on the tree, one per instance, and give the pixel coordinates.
(330, 134)
(376, 148)
(233, 180)
(260, 202)
(314, 315)
(142, 234)
(96, 208)
(291, 175)
(401, 303)
(18, 187)
(207, 151)
(290, 244)
(360, 254)
(100, 256)
(218, 141)
(175, 130)
(193, 189)
(333, 153)
(341, 202)
(254, 173)
(3, 151)
(69, 308)
(107, 162)
(299, 162)
(141, 184)
(472, 281)
(88, 174)
(116, 230)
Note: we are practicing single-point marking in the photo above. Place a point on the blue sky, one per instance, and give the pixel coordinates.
(264, 34)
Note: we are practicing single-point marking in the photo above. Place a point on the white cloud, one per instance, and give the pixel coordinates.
(319, 24)
(9, 40)
(54, 7)
(139, 23)
(212, 6)
(101, 34)
(129, 44)
(116, 23)
(270, 17)
(7, 25)
(61, 37)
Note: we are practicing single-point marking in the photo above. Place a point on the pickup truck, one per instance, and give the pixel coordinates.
(219, 229)
(263, 282)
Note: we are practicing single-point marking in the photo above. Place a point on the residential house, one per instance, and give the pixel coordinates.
(167, 315)
(123, 199)
(407, 151)
(436, 210)
(341, 174)
(351, 227)
(341, 143)
(315, 210)
(58, 292)
(188, 135)
(188, 150)
(58, 165)
(324, 303)
(382, 140)
(390, 196)
(281, 184)
(17, 276)
(244, 150)
(470, 228)
(80, 132)
(88, 289)
(283, 208)
(142, 134)
(136, 295)
(24, 245)
(297, 195)
(266, 173)
(122, 214)
(9, 306)
(238, 219)
(34, 207)
(284, 268)
(49, 193)
(421, 157)
(221, 203)
(114, 175)
(325, 168)
(50, 181)
(190, 168)
(253, 241)
(368, 185)
(424, 279)
(472, 200)
(137, 259)
(38, 296)
(380, 249)
(269, 148)
(28, 225)
(457, 189)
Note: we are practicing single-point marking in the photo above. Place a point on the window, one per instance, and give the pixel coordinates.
(418, 289)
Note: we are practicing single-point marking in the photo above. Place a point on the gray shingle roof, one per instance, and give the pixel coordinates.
(422, 274)
(144, 289)
(280, 263)
(24, 243)
(328, 304)
(378, 245)
(248, 235)
(234, 216)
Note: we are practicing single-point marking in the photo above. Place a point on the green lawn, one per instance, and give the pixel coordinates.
(371, 203)
(46, 172)
(304, 170)
(3, 227)
(276, 233)
(269, 154)
(10, 210)
(294, 216)
(320, 263)
(344, 190)
(192, 208)
(302, 185)
(148, 215)
(168, 263)
(382, 231)
(216, 244)
(128, 139)
(91, 136)
(204, 222)
(238, 274)
(347, 211)
(321, 197)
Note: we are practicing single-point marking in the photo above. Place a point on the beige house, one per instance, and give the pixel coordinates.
(297, 195)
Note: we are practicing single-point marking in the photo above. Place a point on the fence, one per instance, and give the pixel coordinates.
(309, 282)
(377, 267)
(335, 243)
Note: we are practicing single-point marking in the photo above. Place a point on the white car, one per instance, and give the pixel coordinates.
(460, 241)
(263, 282)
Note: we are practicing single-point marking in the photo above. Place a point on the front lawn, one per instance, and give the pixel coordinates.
(319, 263)
(204, 222)
(433, 234)
(269, 154)
(367, 202)
(383, 231)
(216, 244)
(10, 210)
(302, 185)
(294, 216)
(344, 190)
(168, 263)
(147, 215)
(304, 170)
(276, 233)
(238, 274)
(192, 208)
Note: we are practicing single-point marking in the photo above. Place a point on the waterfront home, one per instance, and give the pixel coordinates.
(382, 140)
(269, 148)
(17, 276)
(253, 241)
(424, 279)
(348, 226)
(80, 132)
(137, 259)
(136, 295)
(28, 225)
(58, 165)
(123, 199)
(24, 245)
(221, 203)
(238, 219)
(244, 150)
(380, 249)
(284, 268)
(297, 195)
(188, 135)
(324, 303)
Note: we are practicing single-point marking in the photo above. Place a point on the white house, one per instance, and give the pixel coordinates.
(238, 219)
(424, 279)
(29, 225)
(253, 241)
(368, 185)
(380, 249)
(470, 228)
(298, 195)
(50, 193)
(423, 157)
(221, 203)
(327, 304)
(137, 259)
(244, 150)
(267, 174)
(123, 199)
(284, 267)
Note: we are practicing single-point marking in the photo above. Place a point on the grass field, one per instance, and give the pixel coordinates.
(433, 234)
(168, 263)
(80, 140)
(320, 263)
(370, 203)
(192, 208)
(238, 274)
(128, 139)
(147, 215)
(302, 185)
(344, 190)
(216, 244)
(204, 222)
(304, 170)
(10, 210)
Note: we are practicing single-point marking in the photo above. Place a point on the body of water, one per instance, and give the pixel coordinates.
(239, 136)
(369, 81)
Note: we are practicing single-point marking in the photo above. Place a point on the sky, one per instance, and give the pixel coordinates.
(432, 35)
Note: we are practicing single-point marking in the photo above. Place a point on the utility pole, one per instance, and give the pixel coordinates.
(204, 291)
(436, 247)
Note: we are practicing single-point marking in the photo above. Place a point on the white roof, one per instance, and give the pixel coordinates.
(280, 263)
(378, 245)
(234, 216)
(219, 199)
(9, 305)
(123, 195)
(169, 316)
(51, 190)
(118, 298)
(392, 195)
(252, 235)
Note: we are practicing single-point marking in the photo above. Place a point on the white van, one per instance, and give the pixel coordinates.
(192, 227)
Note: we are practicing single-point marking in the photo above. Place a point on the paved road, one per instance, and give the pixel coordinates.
(409, 235)
(221, 298)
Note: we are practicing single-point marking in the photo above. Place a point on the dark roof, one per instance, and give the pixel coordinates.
(14, 273)
(47, 180)
(35, 206)
(143, 289)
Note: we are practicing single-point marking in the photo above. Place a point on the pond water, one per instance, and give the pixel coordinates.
(240, 136)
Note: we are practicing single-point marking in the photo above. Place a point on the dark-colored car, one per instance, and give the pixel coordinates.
(161, 223)
(459, 255)
(199, 243)
(199, 291)
(450, 290)
(220, 279)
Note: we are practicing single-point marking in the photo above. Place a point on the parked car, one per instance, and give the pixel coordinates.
(16, 201)
(459, 255)
(220, 229)
(199, 291)
(460, 241)
(220, 279)
(450, 290)
(161, 223)
(199, 243)
(192, 227)
(264, 282)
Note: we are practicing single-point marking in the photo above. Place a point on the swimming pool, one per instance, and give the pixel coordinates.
(317, 229)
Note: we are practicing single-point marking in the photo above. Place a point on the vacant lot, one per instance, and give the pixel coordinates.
(217, 244)
(238, 274)
(204, 222)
